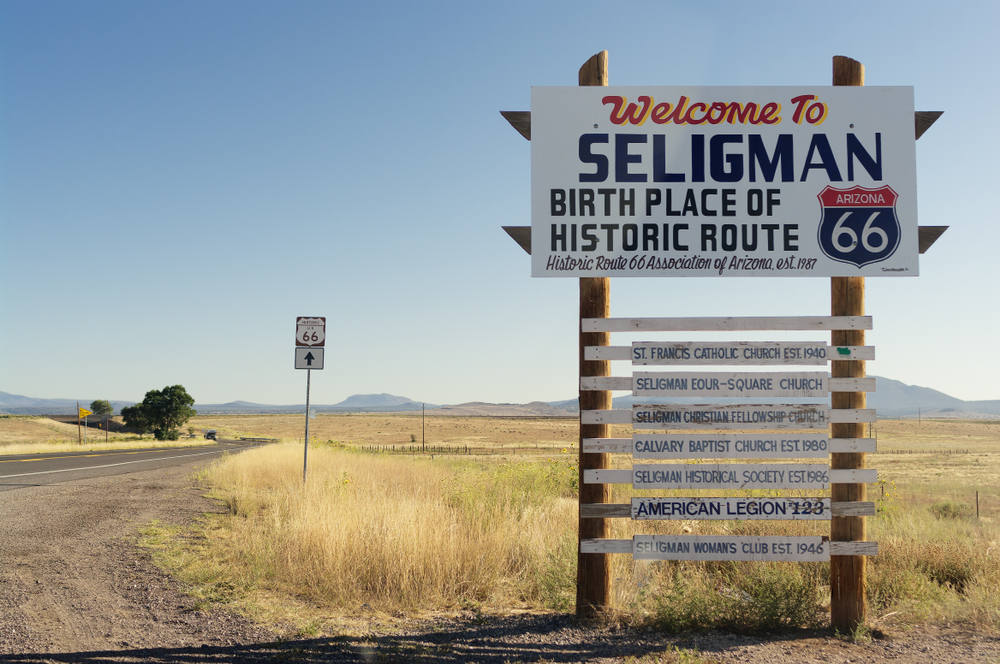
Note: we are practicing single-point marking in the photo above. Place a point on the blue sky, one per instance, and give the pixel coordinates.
(180, 180)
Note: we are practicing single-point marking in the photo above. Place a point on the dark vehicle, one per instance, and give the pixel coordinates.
(210, 434)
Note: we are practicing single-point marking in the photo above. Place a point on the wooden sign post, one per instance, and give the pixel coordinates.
(848, 605)
(593, 570)
(649, 224)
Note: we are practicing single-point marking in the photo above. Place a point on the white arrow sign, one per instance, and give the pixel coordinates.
(308, 358)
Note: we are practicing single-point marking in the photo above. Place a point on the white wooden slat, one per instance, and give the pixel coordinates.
(853, 548)
(852, 445)
(723, 384)
(852, 415)
(617, 416)
(723, 446)
(623, 416)
(628, 476)
(810, 509)
(625, 353)
(729, 476)
(730, 446)
(743, 416)
(852, 384)
(726, 324)
(854, 476)
(730, 384)
(729, 547)
(605, 511)
(857, 508)
(607, 476)
(729, 353)
(853, 353)
(605, 546)
(612, 353)
(606, 383)
(607, 445)
(738, 508)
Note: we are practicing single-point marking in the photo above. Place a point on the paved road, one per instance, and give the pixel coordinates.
(28, 470)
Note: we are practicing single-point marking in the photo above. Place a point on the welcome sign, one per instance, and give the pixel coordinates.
(723, 182)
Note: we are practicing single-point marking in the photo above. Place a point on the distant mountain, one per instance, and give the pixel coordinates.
(16, 404)
(371, 403)
(480, 409)
(380, 401)
(891, 399)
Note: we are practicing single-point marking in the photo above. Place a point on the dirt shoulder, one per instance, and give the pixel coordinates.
(73, 580)
(75, 588)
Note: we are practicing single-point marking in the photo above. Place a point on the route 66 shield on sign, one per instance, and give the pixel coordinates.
(858, 225)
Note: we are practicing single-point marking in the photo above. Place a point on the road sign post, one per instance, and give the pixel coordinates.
(310, 337)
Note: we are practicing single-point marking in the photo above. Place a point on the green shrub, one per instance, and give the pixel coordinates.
(951, 510)
(740, 598)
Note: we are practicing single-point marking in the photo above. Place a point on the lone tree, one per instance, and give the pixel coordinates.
(136, 419)
(163, 412)
(101, 407)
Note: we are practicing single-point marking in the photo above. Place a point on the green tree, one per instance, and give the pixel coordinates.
(137, 419)
(168, 409)
(101, 407)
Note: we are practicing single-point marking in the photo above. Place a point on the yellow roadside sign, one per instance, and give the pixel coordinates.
(84, 412)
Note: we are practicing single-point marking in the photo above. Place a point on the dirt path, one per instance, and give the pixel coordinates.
(74, 588)
(72, 580)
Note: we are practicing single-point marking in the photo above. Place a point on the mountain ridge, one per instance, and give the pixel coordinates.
(893, 398)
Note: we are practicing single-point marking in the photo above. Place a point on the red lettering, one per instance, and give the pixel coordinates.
(661, 113)
(689, 118)
(717, 106)
(624, 112)
(770, 113)
(738, 113)
(800, 106)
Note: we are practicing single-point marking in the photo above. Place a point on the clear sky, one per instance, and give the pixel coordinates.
(180, 180)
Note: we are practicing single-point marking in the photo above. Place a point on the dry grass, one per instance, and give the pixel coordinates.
(395, 534)
(408, 533)
(41, 435)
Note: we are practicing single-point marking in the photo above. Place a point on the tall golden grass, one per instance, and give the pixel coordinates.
(393, 533)
(415, 534)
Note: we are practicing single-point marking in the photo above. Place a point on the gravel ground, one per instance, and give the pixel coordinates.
(75, 588)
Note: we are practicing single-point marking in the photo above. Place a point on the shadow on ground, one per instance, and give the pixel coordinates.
(529, 638)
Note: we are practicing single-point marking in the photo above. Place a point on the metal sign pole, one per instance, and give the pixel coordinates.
(305, 453)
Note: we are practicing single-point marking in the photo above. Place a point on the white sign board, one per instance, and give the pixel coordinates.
(310, 331)
(730, 384)
(685, 507)
(729, 547)
(723, 182)
(308, 358)
(759, 353)
(730, 446)
(744, 416)
(731, 476)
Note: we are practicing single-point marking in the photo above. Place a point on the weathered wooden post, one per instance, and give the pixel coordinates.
(848, 605)
(593, 585)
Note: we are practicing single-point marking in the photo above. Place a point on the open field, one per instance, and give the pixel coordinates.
(917, 459)
(30, 434)
(487, 434)
(492, 527)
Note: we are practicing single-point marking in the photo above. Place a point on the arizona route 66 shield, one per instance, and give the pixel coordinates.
(858, 225)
